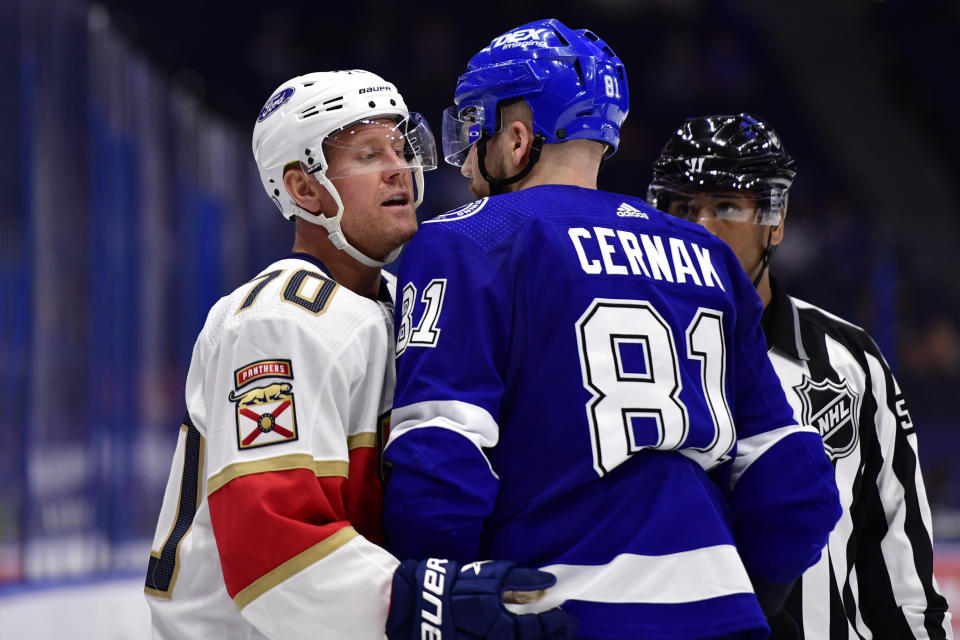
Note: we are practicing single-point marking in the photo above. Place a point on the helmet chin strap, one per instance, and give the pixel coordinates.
(497, 184)
(335, 232)
(765, 258)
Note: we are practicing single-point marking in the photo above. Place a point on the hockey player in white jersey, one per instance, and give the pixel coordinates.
(270, 525)
(731, 174)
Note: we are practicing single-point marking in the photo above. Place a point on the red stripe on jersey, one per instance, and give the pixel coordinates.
(363, 495)
(262, 520)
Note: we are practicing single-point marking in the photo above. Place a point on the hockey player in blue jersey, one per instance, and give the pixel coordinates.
(583, 383)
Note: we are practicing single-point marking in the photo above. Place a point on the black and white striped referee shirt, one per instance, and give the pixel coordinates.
(875, 578)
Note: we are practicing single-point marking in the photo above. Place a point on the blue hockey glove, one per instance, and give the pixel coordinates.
(444, 600)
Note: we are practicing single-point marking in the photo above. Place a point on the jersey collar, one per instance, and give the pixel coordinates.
(384, 293)
(781, 324)
(382, 296)
(297, 255)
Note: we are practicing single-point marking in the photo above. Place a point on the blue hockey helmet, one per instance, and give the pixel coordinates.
(575, 85)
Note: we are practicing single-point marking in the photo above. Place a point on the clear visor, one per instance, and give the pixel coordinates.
(380, 144)
(701, 206)
(462, 126)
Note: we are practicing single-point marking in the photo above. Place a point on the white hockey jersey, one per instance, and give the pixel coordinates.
(271, 516)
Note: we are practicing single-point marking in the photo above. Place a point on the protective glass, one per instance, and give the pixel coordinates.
(462, 126)
(371, 146)
(700, 206)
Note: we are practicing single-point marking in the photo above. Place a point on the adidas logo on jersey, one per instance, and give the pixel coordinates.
(626, 211)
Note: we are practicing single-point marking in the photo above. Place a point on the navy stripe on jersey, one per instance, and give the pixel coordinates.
(161, 569)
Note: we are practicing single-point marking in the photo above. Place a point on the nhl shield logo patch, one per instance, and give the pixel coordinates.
(832, 408)
(265, 414)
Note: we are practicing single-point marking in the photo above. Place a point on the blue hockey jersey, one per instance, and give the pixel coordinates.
(583, 386)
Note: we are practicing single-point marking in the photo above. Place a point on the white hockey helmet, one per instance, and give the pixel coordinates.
(304, 111)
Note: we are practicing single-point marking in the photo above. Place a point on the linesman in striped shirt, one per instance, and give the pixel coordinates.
(731, 174)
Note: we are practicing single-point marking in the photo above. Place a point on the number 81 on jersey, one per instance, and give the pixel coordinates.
(426, 333)
(620, 395)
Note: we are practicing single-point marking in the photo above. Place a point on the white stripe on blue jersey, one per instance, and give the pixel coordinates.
(689, 576)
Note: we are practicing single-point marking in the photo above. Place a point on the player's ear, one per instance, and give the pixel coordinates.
(304, 190)
(520, 141)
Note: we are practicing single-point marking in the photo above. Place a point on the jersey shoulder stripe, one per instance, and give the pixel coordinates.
(823, 323)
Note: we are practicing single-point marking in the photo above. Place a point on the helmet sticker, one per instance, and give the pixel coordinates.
(275, 103)
(522, 38)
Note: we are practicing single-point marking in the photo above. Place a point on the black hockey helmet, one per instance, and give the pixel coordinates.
(724, 153)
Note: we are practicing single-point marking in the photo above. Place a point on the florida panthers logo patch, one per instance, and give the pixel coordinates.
(265, 414)
(832, 407)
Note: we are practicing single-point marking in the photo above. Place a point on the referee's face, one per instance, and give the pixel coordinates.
(730, 217)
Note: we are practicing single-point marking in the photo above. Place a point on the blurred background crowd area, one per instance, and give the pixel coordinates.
(131, 203)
